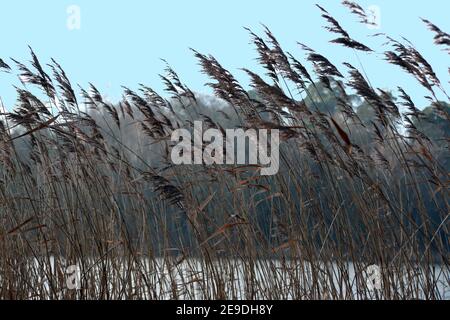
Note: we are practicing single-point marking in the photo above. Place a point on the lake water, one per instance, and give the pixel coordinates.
(231, 279)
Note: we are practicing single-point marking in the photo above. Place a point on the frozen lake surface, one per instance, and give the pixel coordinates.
(228, 279)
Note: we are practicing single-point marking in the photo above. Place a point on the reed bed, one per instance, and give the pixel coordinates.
(90, 183)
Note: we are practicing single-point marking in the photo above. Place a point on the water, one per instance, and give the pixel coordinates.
(228, 279)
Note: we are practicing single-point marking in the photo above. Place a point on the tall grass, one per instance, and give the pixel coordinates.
(91, 183)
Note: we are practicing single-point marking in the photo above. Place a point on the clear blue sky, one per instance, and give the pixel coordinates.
(120, 42)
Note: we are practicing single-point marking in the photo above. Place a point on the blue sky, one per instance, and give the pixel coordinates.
(121, 42)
